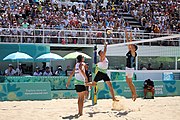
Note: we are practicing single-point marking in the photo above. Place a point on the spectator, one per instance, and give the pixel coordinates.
(19, 70)
(68, 71)
(37, 72)
(143, 67)
(47, 72)
(149, 67)
(10, 71)
(43, 67)
(148, 87)
(59, 71)
(161, 67)
(156, 29)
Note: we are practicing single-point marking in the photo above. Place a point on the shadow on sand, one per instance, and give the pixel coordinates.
(117, 114)
(70, 117)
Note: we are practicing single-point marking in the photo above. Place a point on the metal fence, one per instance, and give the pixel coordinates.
(76, 36)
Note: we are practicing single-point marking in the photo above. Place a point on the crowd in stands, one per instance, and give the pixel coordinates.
(87, 15)
(159, 16)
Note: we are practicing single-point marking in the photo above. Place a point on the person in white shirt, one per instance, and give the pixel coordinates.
(102, 66)
(10, 71)
(47, 72)
(37, 72)
(80, 80)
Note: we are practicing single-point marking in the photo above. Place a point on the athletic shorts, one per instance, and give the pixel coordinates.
(80, 88)
(129, 72)
(101, 76)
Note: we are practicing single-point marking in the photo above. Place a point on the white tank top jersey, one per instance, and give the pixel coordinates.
(78, 74)
(103, 64)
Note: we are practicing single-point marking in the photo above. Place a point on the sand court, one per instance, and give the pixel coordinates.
(160, 108)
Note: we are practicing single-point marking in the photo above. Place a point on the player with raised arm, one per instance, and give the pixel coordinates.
(130, 65)
(102, 66)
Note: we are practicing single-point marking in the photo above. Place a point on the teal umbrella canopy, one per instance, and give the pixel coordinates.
(18, 57)
(74, 55)
(50, 57)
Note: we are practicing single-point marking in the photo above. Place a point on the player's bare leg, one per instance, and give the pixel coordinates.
(132, 88)
(91, 83)
(111, 90)
(80, 103)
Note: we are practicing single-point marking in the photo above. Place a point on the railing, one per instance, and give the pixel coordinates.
(77, 36)
(140, 75)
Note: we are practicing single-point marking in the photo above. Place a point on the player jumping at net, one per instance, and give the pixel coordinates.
(80, 80)
(130, 65)
(102, 72)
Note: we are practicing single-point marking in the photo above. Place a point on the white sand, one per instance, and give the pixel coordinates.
(160, 108)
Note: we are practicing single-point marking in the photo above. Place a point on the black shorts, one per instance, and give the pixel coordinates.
(80, 88)
(101, 76)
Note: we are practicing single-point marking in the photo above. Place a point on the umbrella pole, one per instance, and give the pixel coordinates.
(33, 68)
(17, 67)
(50, 65)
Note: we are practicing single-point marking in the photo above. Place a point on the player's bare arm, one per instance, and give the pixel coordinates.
(70, 77)
(128, 40)
(104, 52)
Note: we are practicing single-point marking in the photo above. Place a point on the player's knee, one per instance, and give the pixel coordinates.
(81, 98)
(94, 84)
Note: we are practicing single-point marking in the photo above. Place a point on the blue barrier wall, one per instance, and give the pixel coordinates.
(25, 91)
(56, 85)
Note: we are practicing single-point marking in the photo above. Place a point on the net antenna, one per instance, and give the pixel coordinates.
(147, 40)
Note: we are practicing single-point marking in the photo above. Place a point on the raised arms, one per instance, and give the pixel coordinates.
(104, 51)
(128, 40)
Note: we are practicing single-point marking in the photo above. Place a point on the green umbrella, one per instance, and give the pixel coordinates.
(74, 55)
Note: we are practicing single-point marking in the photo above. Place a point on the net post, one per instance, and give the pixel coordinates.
(94, 88)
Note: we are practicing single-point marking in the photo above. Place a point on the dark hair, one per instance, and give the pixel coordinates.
(47, 67)
(79, 58)
(99, 52)
(136, 47)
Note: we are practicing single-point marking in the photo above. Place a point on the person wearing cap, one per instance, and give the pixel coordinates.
(59, 71)
(37, 72)
(10, 71)
(47, 72)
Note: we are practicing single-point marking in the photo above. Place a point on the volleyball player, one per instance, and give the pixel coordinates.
(130, 65)
(102, 72)
(80, 79)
